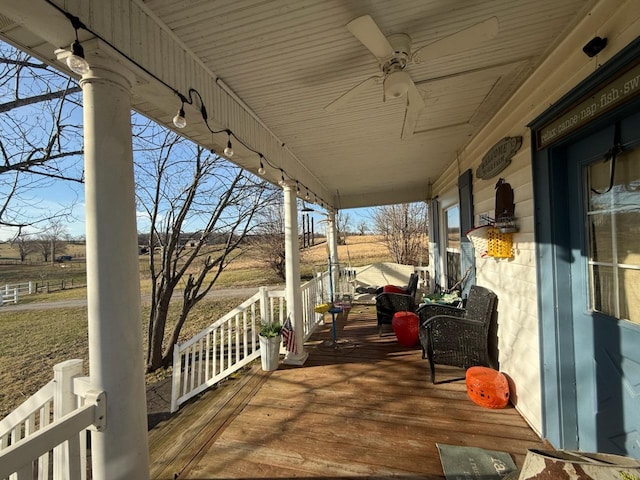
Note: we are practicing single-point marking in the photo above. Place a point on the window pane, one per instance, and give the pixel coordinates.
(453, 228)
(600, 237)
(602, 290)
(628, 237)
(614, 235)
(453, 269)
(599, 177)
(630, 294)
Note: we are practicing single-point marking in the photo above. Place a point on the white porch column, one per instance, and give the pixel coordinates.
(292, 272)
(332, 242)
(113, 286)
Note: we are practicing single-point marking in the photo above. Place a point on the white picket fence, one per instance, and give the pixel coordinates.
(11, 292)
(231, 342)
(45, 437)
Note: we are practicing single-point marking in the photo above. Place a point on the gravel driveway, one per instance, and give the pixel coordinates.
(82, 302)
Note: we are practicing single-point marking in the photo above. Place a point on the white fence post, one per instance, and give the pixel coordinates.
(15, 296)
(64, 401)
(1, 299)
(30, 287)
(265, 317)
(176, 378)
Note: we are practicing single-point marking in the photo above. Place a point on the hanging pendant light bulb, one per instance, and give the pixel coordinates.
(228, 151)
(76, 61)
(261, 170)
(179, 121)
(307, 196)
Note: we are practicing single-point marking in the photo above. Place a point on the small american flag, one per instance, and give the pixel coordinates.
(288, 336)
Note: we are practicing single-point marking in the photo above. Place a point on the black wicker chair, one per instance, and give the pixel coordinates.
(388, 304)
(458, 336)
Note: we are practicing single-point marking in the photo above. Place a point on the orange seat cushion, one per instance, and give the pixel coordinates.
(392, 289)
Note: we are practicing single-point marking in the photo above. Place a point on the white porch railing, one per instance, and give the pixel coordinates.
(424, 278)
(45, 437)
(231, 342)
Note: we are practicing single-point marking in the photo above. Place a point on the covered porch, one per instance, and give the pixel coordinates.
(297, 93)
(364, 410)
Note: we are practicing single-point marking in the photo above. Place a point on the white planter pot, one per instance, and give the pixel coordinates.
(270, 348)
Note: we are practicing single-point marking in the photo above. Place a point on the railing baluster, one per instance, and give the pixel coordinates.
(245, 340)
(191, 366)
(221, 348)
(229, 348)
(185, 375)
(200, 362)
(253, 328)
(214, 354)
(207, 362)
(43, 461)
(237, 335)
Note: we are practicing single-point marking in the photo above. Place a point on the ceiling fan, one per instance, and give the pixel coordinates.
(394, 54)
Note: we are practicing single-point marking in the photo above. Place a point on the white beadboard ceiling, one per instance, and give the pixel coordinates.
(285, 60)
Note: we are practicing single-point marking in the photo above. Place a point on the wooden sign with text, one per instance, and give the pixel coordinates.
(498, 157)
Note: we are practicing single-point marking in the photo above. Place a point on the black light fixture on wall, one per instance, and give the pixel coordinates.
(594, 46)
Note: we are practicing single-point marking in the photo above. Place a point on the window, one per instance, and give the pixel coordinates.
(452, 245)
(613, 223)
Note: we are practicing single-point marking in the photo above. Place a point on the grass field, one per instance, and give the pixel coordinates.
(32, 342)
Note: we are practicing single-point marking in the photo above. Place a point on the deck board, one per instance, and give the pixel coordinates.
(363, 411)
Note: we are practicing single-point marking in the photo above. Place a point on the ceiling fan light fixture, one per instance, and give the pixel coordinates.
(396, 84)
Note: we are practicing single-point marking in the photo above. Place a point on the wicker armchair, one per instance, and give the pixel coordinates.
(458, 336)
(388, 304)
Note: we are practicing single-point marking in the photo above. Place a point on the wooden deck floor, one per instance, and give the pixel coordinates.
(367, 411)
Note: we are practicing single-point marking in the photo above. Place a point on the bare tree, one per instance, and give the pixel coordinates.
(343, 224)
(269, 238)
(42, 245)
(41, 139)
(363, 227)
(404, 228)
(183, 188)
(52, 241)
(24, 245)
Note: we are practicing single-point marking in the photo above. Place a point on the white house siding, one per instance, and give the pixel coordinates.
(514, 280)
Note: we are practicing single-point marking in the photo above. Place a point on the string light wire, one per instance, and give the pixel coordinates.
(179, 120)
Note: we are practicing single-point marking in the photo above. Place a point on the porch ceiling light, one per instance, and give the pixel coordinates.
(261, 170)
(228, 150)
(76, 61)
(179, 121)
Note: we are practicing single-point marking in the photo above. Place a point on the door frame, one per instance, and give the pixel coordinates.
(553, 249)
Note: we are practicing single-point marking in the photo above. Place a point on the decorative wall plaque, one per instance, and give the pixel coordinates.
(498, 157)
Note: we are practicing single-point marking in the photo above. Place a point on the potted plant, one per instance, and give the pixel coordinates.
(270, 337)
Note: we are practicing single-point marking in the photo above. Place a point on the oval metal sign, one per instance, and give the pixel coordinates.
(498, 157)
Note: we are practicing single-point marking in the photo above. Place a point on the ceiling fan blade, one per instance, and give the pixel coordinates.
(354, 92)
(415, 104)
(367, 31)
(458, 42)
